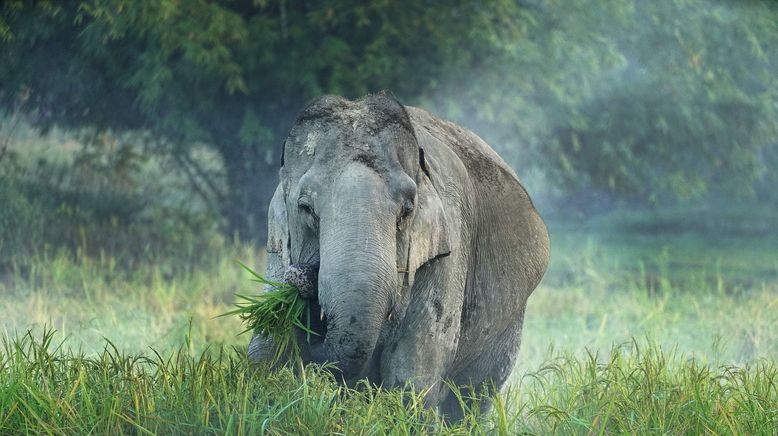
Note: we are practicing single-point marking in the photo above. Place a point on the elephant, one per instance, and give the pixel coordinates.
(413, 241)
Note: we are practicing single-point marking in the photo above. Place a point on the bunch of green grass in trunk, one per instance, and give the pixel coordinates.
(275, 313)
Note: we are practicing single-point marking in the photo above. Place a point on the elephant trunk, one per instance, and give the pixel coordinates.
(357, 276)
(304, 277)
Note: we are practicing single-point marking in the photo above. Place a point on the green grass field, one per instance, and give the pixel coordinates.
(631, 331)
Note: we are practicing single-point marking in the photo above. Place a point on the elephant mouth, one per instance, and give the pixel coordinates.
(304, 277)
(315, 343)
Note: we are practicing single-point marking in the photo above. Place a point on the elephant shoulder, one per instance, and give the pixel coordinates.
(506, 219)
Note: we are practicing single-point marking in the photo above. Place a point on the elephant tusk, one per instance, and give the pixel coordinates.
(321, 315)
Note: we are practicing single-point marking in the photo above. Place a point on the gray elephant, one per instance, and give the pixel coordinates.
(414, 242)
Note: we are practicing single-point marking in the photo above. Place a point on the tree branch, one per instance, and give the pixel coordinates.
(193, 181)
(220, 196)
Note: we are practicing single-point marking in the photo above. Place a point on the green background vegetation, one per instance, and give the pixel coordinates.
(643, 102)
(139, 144)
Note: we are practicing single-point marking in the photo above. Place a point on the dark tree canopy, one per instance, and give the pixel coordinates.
(644, 100)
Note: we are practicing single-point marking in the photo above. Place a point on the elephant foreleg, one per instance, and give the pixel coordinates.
(424, 348)
(261, 349)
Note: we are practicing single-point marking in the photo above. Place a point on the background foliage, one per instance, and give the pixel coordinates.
(620, 99)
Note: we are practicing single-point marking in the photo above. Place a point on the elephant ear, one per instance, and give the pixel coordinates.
(277, 236)
(427, 236)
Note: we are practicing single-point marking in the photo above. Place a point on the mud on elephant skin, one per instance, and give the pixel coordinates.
(413, 240)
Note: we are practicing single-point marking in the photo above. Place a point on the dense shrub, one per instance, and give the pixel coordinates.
(21, 222)
(102, 195)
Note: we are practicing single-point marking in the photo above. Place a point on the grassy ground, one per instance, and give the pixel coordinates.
(711, 293)
(631, 331)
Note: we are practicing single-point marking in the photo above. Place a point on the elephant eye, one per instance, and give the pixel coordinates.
(309, 215)
(305, 205)
(407, 209)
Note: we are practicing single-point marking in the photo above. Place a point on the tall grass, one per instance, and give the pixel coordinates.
(46, 387)
(639, 388)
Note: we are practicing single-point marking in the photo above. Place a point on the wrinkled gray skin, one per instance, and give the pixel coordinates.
(426, 243)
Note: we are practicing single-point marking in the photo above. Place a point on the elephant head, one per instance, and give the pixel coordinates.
(357, 198)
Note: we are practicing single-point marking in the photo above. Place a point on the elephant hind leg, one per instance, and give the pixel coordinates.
(486, 374)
